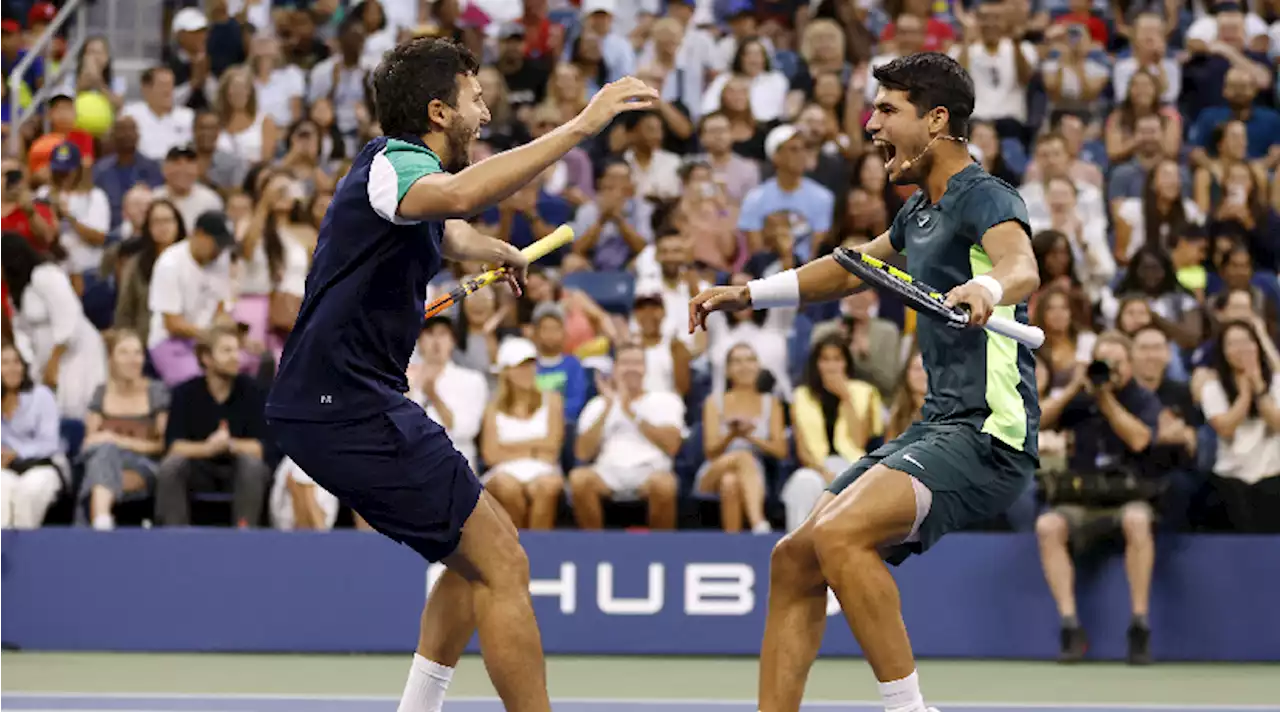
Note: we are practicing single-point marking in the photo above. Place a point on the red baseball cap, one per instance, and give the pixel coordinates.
(41, 12)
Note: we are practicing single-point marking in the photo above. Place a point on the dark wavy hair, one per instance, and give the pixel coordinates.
(1227, 375)
(26, 384)
(413, 75)
(18, 258)
(148, 251)
(931, 80)
(812, 377)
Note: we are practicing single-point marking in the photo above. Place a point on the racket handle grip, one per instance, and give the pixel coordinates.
(558, 238)
(1030, 336)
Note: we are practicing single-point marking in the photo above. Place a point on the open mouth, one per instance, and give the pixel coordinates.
(888, 151)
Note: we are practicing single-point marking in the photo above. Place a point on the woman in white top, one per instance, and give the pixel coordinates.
(278, 86)
(1242, 405)
(272, 268)
(65, 350)
(81, 210)
(380, 35)
(1159, 217)
(768, 86)
(666, 359)
(1096, 266)
(521, 439)
(740, 427)
(248, 131)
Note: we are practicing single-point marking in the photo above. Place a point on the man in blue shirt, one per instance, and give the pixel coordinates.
(119, 172)
(338, 405)
(1262, 124)
(558, 371)
(809, 203)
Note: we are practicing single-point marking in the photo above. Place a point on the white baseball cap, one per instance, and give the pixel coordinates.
(778, 136)
(189, 19)
(515, 351)
(593, 6)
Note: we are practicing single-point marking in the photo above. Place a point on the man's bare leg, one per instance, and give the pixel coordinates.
(879, 507)
(585, 491)
(796, 618)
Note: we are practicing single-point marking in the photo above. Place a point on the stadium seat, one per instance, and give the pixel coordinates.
(613, 291)
(72, 433)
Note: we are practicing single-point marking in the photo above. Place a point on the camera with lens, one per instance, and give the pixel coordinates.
(1099, 373)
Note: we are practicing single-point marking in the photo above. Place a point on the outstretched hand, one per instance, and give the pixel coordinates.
(626, 94)
(716, 299)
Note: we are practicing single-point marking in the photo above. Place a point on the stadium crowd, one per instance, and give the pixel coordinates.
(157, 237)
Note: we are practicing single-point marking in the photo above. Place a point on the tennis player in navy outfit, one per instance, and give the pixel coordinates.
(338, 406)
(974, 450)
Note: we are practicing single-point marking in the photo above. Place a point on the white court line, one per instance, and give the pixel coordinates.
(658, 701)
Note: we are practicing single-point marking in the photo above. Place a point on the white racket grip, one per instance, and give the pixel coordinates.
(1030, 336)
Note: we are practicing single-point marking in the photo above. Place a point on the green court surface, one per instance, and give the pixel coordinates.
(636, 680)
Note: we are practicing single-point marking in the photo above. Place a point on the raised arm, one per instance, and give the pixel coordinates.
(439, 196)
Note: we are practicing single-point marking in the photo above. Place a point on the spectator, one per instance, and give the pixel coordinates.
(1087, 234)
(161, 228)
(666, 358)
(982, 135)
(526, 79)
(1056, 259)
(616, 225)
(341, 78)
(618, 57)
(768, 85)
(165, 124)
(740, 17)
(278, 86)
(215, 437)
(452, 395)
(1242, 211)
(248, 132)
(1074, 79)
(380, 35)
(1242, 404)
(1001, 67)
(822, 51)
(588, 329)
(750, 327)
(215, 167)
(296, 502)
(834, 418)
(521, 440)
(1261, 123)
(195, 78)
(1151, 274)
(706, 218)
(181, 186)
(741, 426)
(671, 264)
(528, 215)
(909, 37)
(1114, 421)
(478, 333)
(683, 56)
(82, 211)
(1176, 438)
(124, 433)
(31, 476)
(790, 190)
(1149, 58)
(1067, 344)
(558, 371)
(116, 174)
(190, 288)
(123, 239)
(907, 405)
(92, 72)
(66, 350)
(1162, 203)
(1215, 62)
(272, 270)
(738, 175)
(1147, 147)
(13, 53)
(23, 215)
(627, 440)
(656, 171)
(747, 134)
(505, 130)
(873, 340)
(1054, 161)
(61, 114)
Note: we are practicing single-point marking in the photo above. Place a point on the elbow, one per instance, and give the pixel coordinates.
(1138, 442)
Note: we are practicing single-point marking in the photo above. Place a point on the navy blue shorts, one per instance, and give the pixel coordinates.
(397, 469)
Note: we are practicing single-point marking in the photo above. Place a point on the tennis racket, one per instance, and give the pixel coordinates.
(562, 236)
(927, 300)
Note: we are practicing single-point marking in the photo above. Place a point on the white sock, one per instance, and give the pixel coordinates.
(428, 681)
(104, 522)
(903, 695)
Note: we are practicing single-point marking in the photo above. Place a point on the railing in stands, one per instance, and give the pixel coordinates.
(17, 117)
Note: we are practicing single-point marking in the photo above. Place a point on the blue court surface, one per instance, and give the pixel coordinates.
(295, 703)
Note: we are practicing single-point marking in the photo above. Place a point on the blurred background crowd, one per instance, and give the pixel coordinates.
(158, 226)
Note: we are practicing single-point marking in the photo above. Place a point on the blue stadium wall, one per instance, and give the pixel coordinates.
(699, 593)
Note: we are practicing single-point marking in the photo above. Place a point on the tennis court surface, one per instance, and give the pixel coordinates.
(114, 682)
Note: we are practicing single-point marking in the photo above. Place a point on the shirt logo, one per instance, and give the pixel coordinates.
(913, 461)
(326, 400)
(922, 220)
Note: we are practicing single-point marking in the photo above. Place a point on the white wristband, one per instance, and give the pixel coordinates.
(779, 290)
(992, 285)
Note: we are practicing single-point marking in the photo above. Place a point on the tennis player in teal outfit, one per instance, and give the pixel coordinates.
(966, 233)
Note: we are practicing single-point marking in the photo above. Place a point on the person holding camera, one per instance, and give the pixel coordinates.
(1113, 422)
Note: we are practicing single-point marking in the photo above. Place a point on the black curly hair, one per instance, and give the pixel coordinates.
(932, 79)
(413, 75)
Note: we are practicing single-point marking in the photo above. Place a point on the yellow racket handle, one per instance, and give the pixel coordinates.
(558, 238)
